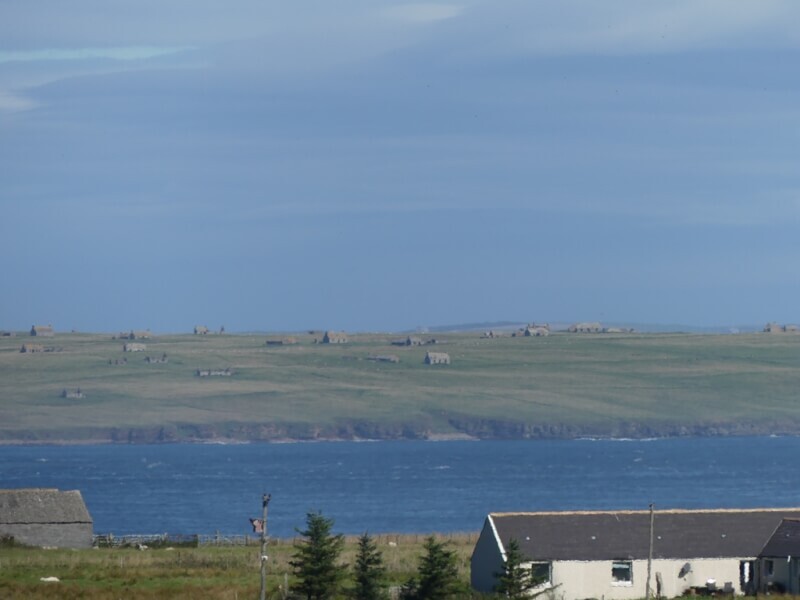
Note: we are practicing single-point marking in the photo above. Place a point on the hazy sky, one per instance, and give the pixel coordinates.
(380, 166)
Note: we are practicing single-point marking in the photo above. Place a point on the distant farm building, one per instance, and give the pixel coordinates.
(776, 328)
(288, 341)
(492, 334)
(42, 330)
(45, 517)
(409, 341)
(135, 335)
(214, 372)
(134, 347)
(534, 330)
(437, 358)
(8, 334)
(386, 358)
(200, 330)
(30, 348)
(155, 360)
(334, 337)
(72, 394)
(586, 328)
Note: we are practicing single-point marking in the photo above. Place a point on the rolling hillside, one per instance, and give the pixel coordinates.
(564, 385)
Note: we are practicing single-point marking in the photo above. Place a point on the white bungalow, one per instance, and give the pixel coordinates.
(606, 554)
(779, 561)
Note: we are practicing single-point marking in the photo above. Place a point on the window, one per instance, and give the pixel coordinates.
(622, 572)
(541, 572)
(769, 568)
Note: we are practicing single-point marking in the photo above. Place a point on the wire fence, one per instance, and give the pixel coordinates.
(158, 540)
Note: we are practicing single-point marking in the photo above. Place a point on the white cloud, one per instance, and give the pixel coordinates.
(632, 26)
(10, 102)
(123, 53)
(422, 13)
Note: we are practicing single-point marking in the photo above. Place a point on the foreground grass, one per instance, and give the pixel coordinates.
(560, 386)
(220, 573)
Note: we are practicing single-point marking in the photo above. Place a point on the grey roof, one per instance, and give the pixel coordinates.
(626, 534)
(35, 505)
(785, 541)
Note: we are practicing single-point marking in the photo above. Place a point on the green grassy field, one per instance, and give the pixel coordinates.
(192, 573)
(564, 385)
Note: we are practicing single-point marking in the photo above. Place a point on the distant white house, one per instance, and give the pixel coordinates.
(334, 337)
(604, 554)
(42, 330)
(437, 358)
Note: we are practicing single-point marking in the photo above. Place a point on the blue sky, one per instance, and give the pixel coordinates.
(381, 166)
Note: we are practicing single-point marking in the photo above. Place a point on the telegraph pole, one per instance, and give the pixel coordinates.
(650, 553)
(264, 503)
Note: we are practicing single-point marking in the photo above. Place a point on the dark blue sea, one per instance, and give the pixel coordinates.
(401, 486)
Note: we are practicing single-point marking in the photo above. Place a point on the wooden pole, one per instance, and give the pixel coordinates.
(650, 554)
(264, 503)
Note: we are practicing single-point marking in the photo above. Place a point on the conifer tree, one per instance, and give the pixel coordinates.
(437, 575)
(315, 559)
(514, 581)
(369, 571)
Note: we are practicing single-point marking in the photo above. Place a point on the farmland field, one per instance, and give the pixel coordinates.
(564, 385)
(225, 572)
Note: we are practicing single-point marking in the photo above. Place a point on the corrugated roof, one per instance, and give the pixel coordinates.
(785, 541)
(605, 535)
(42, 505)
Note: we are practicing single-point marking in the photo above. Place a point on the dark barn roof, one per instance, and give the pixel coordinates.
(785, 541)
(626, 534)
(29, 506)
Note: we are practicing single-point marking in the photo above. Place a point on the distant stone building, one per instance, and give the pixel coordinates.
(334, 337)
(72, 394)
(387, 358)
(134, 347)
(534, 330)
(586, 328)
(45, 517)
(200, 330)
(776, 328)
(154, 360)
(30, 348)
(214, 372)
(437, 358)
(135, 335)
(409, 341)
(287, 341)
(42, 330)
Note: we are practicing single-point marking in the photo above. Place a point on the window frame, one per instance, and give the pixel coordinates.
(769, 567)
(542, 563)
(621, 563)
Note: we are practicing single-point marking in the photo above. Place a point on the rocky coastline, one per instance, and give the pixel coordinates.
(459, 429)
